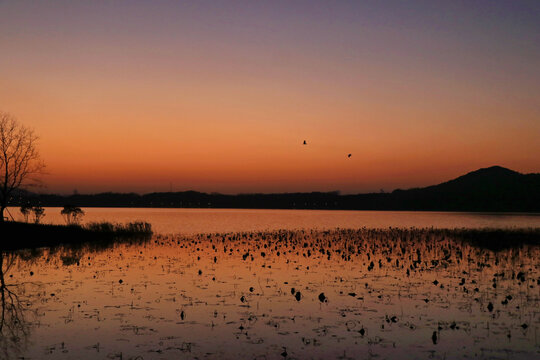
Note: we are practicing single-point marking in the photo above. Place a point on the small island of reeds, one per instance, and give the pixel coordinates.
(20, 235)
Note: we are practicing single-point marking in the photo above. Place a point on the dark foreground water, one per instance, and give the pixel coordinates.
(355, 294)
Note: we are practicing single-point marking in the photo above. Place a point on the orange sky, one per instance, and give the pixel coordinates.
(137, 96)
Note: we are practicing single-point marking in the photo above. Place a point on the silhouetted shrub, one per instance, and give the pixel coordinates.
(39, 212)
(72, 214)
(25, 210)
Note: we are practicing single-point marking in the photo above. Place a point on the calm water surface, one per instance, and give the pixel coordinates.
(275, 294)
(341, 294)
(189, 221)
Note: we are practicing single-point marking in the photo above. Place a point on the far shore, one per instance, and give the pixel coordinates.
(492, 189)
(15, 209)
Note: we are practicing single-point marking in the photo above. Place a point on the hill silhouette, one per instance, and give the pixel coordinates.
(489, 189)
(493, 189)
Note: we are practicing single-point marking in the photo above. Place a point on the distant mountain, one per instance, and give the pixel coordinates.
(495, 189)
(490, 189)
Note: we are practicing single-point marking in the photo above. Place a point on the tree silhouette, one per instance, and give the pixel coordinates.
(72, 214)
(19, 158)
(39, 212)
(25, 211)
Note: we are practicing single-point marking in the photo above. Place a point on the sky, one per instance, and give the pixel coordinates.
(218, 96)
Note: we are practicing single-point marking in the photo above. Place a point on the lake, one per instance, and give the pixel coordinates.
(308, 291)
(191, 221)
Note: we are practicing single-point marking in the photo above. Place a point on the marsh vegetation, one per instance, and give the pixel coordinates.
(18, 235)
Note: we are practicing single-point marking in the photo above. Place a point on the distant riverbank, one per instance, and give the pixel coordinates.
(493, 189)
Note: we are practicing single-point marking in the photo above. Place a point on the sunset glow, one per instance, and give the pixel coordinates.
(154, 96)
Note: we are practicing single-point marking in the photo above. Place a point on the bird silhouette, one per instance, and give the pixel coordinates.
(349, 155)
(305, 143)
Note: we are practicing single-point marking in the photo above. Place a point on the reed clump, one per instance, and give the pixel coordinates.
(132, 228)
(18, 235)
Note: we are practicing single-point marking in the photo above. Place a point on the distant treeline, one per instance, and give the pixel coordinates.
(493, 189)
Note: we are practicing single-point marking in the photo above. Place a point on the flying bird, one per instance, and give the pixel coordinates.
(305, 143)
(349, 155)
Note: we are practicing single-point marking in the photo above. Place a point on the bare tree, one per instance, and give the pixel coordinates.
(19, 158)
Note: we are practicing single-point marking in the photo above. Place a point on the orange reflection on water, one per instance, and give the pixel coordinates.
(321, 294)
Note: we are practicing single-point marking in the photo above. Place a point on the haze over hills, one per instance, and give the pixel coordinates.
(494, 189)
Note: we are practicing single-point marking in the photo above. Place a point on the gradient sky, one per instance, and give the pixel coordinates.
(218, 95)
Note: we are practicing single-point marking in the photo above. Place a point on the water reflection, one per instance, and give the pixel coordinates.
(286, 294)
(15, 311)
